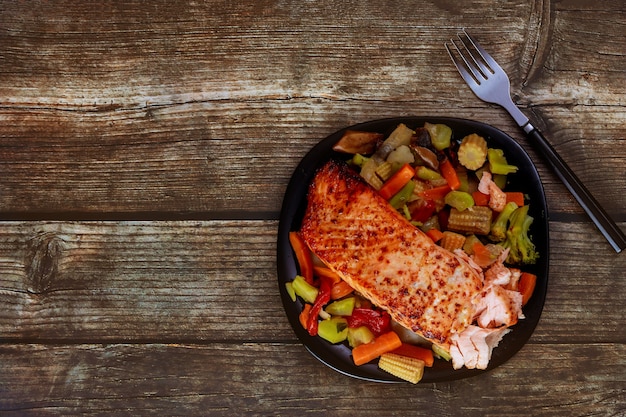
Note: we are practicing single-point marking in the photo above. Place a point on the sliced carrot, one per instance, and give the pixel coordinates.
(397, 181)
(480, 199)
(303, 256)
(323, 271)
(384, 343)
(435, 234)
(340, 290)
(304, 315)
(482, 256)
(417, 352)
(449, 173)
(437, 193)
(526, 286)
(515, 197)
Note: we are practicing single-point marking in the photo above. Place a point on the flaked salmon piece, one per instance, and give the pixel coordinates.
(461, 254)
(498, 274)
(356, 233)
(462, 350)
(502, 275)
(497, 197)
(473, 347)
(497, 306)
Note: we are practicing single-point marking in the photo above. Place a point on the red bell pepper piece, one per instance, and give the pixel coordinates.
(378, 322)
(323, 297)
(423, 212)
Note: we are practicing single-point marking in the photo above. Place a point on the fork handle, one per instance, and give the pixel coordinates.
(602, 220)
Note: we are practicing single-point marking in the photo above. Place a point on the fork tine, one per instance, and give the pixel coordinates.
(480, 70)
(493, 65)
(469, 78)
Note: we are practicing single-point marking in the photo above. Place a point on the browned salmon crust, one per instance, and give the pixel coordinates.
(354, 231)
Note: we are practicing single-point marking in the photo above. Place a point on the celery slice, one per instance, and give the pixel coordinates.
(290, 291)
(440, 135)
(304, 289)
(341, 307)
(441, 352)
(460, 200)
(359, 335)
(334, 330)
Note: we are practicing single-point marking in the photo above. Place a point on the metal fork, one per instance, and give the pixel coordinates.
(491, 84)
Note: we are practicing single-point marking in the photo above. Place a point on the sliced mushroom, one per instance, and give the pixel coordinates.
(422, 138)
(426, 156)
(354, 141)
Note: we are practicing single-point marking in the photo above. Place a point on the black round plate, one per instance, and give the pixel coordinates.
(526, 180)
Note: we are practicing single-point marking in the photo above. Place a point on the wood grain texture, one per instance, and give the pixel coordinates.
(159, 117)
(245, 379)
(145, 148)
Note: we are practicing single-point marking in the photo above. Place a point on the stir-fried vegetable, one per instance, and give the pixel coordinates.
(473, 151)
(404, 367)
(449, 173)
(367, 352)
(303, 255)
(498, 163)
(521, 248)
(526, 286)
(416, 352)
(499, 227)
(397, 181)
(440, 135)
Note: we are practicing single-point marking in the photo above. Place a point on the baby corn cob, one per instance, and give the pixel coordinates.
(403, 367)
(476, 219)
(452, 241)
(419, 187)
(472, 151)
(384, 171)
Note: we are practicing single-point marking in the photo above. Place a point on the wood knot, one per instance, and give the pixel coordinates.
(43, 262)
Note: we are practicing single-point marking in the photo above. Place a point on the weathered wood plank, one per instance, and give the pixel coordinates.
(161, 117)
(216, 280)
(130, 54)
(204, 280)
(182, 159)
(283, 379)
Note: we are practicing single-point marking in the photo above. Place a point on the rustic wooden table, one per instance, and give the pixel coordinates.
(145, 148)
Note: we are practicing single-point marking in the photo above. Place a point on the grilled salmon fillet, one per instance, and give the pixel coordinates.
(356, 233)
